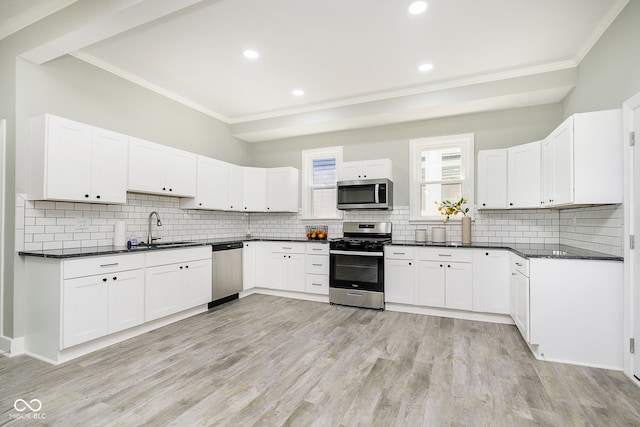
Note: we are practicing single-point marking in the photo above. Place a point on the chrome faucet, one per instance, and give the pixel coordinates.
(150, 239)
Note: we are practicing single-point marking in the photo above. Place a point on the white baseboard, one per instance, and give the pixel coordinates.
(286, 294)
(11, 346)
(446, 312)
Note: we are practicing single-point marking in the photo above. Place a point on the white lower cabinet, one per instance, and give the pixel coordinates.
(176, 280)
(249, 265)
(445, 278)
(399, 275)
(95, 306)
(317, 270)
(519, 295)
(491, 274)
(288, 266)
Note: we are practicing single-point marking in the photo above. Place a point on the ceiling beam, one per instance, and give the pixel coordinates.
(110, 18)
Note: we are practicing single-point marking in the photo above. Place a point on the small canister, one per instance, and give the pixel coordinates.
(421, 236)
(438, 234)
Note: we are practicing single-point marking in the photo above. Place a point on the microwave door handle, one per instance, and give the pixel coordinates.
(377, 193)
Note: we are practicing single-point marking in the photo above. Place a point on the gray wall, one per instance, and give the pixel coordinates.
(497, 129)
(610, 73)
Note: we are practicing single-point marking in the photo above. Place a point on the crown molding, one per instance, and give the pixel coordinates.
(33, 15)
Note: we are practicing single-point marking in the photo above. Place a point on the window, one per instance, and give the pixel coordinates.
(319, 192)
(441, 169)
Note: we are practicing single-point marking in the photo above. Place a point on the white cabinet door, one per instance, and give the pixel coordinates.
(212, 183)
(146, 166)
(399, 281)
(254, 189)
(109, 167)
(126, 299)
(194, 284)
(547, 173)
(459, 286)
(296, 272)
(430, 287)
(265, 270)
(248, 266)
(161, 291)
(492, 179)
(521, 284)
(513, 289)
(350, 171)
(283, 189)
(491, 279)
(234, 191)
(179, 172)
(68, 160)
(562, 147)
(278, 271)
(377, 169)
(524, 180)
(85, 309)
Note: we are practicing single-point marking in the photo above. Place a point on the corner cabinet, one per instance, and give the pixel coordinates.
(72, 161)
(582, 160)
(212, 186)
(158, 169)
(283, 189)
(524, 181)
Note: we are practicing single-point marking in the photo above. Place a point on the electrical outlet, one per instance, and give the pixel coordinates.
(82, 223)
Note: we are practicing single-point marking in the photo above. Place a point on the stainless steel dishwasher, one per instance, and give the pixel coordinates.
(226, 278)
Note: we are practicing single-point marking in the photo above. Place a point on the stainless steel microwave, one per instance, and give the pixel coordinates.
(365, 194)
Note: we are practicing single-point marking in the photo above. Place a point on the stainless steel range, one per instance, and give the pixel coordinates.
(356, 275)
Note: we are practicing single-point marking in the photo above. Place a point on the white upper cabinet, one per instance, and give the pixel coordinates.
(366, 169)
(254, 189)
(523, 178)
(582, 160)
(158, 169)
(283, 189)
(212, 185)
(235, 188)
(76, 162)
(492, 179)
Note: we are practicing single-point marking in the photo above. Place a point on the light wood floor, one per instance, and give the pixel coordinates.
(269, 361)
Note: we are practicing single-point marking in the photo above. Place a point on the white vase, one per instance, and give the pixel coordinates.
(438, 234)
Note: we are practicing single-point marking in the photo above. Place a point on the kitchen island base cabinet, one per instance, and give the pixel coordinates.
(577, 311)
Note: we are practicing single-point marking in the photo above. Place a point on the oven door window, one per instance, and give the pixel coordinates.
(357, 272)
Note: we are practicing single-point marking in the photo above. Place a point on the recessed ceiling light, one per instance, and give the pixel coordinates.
(297, 92)
(251, 54)
(417, 7)
(425, 67)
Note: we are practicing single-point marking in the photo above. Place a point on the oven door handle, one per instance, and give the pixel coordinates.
(356, 253)
(377, 194)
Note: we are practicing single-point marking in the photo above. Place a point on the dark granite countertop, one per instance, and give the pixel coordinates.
(113, 250)
(526, 250)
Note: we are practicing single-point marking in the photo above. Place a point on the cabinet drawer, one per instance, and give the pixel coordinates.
(288, 247)
(318, 248)
(101, 264)
(399, 252)
(445, 254)
(520, 264)
(317, 284)
(318, 264)
(172, 256)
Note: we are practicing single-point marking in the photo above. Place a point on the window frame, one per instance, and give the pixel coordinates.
(467, 144)
(308, 156)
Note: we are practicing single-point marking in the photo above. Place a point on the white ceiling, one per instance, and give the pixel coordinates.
(345, 53)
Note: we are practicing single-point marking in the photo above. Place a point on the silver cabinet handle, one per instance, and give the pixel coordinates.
(113, 264)
(317, 265)
(399, 253)
(353, 294)
(316, 249)
(444, 255)
(519, 264)
(286, 247)
(316, 284)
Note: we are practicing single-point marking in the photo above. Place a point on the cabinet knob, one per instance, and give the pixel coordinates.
(365, 176)
(231, 206)
(171, 189)
(245, 208)
(409, 263)
(486, 253)
(510, 204)
(268, 208)
(484, 204)
(104, 279)
(448, 266)
(164, 188)
(86, 196)
(199, 204)
(181, 267)
(440, 265)
(115, 278)
(98, 196)
(186, 266)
